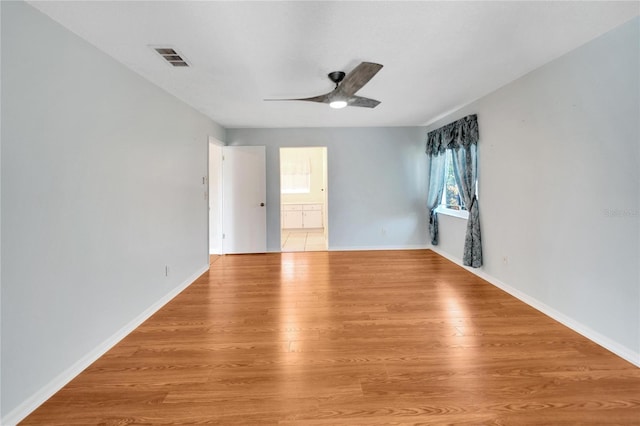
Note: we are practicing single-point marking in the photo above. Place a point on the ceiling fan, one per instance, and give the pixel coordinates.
(346, 86)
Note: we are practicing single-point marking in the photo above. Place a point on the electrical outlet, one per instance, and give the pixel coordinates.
(384, 231)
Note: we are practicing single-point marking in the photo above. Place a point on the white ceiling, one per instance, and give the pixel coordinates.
(437, 56)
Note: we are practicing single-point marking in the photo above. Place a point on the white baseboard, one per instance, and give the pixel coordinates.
(377, 248)
(365, 248)
(30, 404)
(578, 327)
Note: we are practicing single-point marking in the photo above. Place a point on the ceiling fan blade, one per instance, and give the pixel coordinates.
(322, 99)
(358, 77)
(359, 101)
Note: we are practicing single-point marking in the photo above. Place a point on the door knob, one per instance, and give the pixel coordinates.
(261, 204)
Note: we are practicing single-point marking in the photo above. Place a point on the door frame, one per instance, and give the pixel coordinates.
(325, 190)
(214, 196)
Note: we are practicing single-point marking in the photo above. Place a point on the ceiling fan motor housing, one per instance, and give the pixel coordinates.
(336, 76)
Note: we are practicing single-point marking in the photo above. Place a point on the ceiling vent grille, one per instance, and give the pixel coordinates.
(171, 56)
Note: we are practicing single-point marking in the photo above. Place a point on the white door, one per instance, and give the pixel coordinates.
(244, 214)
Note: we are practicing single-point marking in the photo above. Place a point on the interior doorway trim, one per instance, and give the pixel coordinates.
(214, 212)
(303, 198)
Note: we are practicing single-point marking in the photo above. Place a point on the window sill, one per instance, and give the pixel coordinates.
(462, 214)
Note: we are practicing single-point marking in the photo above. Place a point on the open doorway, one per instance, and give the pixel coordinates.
(303, 199)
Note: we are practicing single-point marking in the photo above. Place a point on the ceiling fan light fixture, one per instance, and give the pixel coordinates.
(338, 104)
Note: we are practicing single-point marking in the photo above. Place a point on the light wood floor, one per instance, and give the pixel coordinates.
(349, 338)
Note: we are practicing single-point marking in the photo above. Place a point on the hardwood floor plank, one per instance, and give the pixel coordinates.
(348, 338)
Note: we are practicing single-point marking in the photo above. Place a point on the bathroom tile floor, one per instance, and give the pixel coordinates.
(303, 240)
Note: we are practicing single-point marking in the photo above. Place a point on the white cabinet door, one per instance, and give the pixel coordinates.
(312, 219)
(292, 219)
(296, 216)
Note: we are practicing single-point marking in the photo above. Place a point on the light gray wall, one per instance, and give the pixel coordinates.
(101, 188)
(376, 183)
(0, 215)
(559, 186)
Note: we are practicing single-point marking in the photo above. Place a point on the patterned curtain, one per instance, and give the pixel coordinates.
(436, 186)
(461, 137)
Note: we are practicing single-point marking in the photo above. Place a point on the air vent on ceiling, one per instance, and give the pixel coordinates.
(171, 56)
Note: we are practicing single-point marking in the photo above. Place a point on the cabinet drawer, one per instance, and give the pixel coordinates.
(312, 207)
(291, 207)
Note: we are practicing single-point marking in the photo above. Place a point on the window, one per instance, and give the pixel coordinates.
(451, 198)
(296, 177)
(452, 202)
(455, 144)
